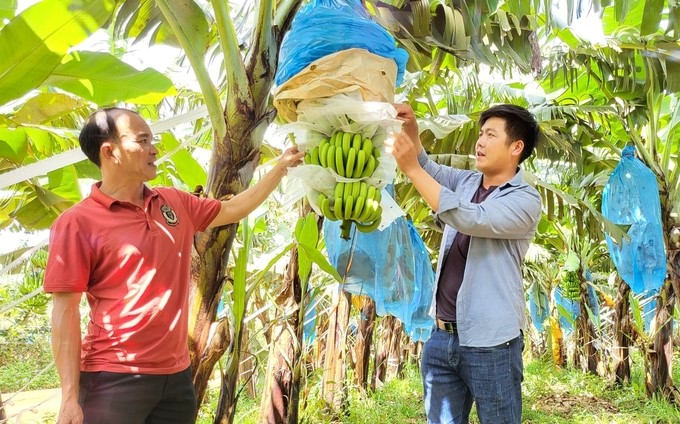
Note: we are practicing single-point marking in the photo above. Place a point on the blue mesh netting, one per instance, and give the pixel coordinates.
(631, 197)
(324, 27)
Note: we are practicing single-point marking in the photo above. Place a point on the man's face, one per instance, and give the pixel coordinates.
(493, 152)
(134, 149)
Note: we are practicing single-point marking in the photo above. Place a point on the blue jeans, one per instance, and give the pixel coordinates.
(454, 376)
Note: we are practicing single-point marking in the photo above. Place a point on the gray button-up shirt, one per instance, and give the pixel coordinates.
(490, 305)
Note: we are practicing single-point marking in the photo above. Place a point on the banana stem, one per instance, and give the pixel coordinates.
(345, 229)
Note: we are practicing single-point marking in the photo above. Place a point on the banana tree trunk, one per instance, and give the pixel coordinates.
(659, 378)
(586, 330)
(382, 352)
(364, 340)
(281, 389)
(394, 354)
(230, 175)
(335, 354)
(660, 358)
(247, 368)
(281, 395)
(622, 331)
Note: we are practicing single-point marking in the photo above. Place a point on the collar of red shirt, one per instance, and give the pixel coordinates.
(107, 201)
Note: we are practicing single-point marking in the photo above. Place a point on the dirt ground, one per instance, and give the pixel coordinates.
(34, 407)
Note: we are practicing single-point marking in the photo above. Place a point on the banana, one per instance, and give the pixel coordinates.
(347, 204)
(376, 153)
(347, 190)
(339, 190)
(371, 163)
(325, 205)
(337, 208)
(360, 163)
(346, 143)
(334, 137)
(367, 147)
(356, 142)
(358, 207)
(323, 150)
(339, 165)
(308, 158)
(363, 189)
(377, 214)
(356, 189)
(370, 192)
(338, 139)
(330, 157)
(349, 166)
(367, 228)
(315, 156)
(378, 195)
(369, 209)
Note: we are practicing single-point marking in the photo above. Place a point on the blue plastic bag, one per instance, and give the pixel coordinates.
(539, 308)
(572, 310)
(390, 266)
(324, 27)
(631, 197)
(421, 321)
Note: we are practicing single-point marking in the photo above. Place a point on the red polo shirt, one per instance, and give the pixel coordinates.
(133, 263)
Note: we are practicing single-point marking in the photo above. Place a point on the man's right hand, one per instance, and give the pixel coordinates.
(410, 125)
(70, 413)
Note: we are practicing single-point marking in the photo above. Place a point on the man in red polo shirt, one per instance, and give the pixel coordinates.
(128, 248)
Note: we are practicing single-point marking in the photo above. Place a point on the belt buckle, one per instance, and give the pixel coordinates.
(448, 326)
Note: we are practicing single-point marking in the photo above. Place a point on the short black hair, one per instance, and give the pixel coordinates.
(520, 124)
(99, 127)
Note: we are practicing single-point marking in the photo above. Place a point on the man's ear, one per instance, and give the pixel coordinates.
(106, 152)
(519, 147)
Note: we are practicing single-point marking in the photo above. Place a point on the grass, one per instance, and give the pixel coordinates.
(23, 364)
(557, 396)
(551, 396)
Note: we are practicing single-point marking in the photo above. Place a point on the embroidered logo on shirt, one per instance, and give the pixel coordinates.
(169, 215)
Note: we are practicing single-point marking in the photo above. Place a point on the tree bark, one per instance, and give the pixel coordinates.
(333, 384)
(364, 340)
(622, 339)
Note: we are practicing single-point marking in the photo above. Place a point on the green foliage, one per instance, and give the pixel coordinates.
(34, 44)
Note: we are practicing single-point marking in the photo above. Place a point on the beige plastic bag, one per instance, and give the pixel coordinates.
(345, 72)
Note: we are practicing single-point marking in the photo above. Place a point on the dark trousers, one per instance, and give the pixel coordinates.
(116, 398)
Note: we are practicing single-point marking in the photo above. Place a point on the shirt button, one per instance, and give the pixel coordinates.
(138, 208)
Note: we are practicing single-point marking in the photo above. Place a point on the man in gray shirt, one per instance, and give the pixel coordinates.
(489, 216)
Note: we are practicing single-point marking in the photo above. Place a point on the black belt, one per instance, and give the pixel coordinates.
(448, 326)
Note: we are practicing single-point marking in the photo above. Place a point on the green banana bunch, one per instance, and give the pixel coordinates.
(353, 202)
(347, 154)
(39, 259)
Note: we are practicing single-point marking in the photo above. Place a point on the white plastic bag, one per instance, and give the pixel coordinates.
(319, 119)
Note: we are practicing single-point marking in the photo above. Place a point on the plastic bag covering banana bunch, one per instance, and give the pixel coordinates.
(392, 267)
(346, 165)
(631, 198)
